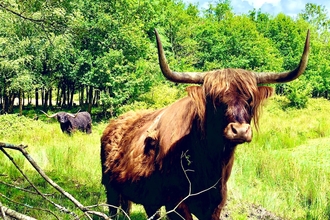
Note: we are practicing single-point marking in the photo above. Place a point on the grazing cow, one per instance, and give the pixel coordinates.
(70, 122)
(181, 156)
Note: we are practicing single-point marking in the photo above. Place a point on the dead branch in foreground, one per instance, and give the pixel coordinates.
(7, 212)
(28, 206)
(84, 209)
(22, 189)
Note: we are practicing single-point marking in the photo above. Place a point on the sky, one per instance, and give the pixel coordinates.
(273, 7)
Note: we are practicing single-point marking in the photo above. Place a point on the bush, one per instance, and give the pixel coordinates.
(298, 93)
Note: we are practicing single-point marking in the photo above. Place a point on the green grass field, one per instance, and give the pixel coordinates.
(285, 169)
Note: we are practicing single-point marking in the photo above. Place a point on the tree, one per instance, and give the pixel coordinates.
(16, 77)
(316, 15)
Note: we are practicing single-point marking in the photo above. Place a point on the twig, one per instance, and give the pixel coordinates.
(28, 206)
(13, 214)
(21, 147)
(190, 194)
(26, 190)
(107, 205)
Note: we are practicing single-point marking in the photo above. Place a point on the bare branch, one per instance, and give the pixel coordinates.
(21, 147)
(4, 211)
(22, 189)
(28, 206)
(190, 194)
(107, 205)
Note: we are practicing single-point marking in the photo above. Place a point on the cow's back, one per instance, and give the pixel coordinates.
(82, 122)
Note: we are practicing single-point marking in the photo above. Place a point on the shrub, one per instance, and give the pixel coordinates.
(298, 93)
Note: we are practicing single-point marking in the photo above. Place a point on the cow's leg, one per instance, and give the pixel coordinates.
(152, 212)
(113, 200)
(89, 129)
(217, 211)
(125, 205)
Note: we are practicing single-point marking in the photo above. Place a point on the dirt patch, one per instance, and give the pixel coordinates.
(251, 211)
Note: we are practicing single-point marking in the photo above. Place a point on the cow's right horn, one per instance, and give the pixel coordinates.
(179, 77)
(49, 116)
(72, 115)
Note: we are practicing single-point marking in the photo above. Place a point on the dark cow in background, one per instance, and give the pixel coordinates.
(155, 157)
(69, 122)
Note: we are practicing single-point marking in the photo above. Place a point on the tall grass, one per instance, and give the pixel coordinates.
(72, 161)
(286, 168)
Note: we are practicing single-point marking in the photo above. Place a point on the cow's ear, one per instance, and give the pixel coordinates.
(265, 92)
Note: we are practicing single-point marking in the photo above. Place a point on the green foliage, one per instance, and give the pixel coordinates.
(110, 46)
(298, 93)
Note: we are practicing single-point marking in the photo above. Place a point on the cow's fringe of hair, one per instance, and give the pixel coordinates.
(218, 87)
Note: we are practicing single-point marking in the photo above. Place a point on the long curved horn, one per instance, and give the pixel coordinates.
(286, 76)
(49, 116)
(72, 115)
(179, 77)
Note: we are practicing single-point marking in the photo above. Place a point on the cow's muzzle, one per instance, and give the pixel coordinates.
(238, 133)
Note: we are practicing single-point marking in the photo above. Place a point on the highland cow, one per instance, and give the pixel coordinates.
(159, 158)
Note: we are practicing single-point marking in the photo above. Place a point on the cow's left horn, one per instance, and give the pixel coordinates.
(286, 76)
(179, 77)
(49, 116)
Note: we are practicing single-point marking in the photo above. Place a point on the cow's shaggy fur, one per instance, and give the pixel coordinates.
(141, 152)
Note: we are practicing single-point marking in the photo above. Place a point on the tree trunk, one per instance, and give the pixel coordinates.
(50, 96)
(11, 103)
(29, 98)
(87, 94)
(72, 94)
(37, 97)
(64, 99)
(90, 99)
(42, 96)
(81, 96)
(20, 101)
(46, 96)
(23, 99)
(5, 100)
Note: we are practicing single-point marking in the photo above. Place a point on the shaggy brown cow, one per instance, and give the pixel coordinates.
(158, 158)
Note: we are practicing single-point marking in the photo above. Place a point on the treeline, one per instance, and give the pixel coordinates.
(104, 53)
